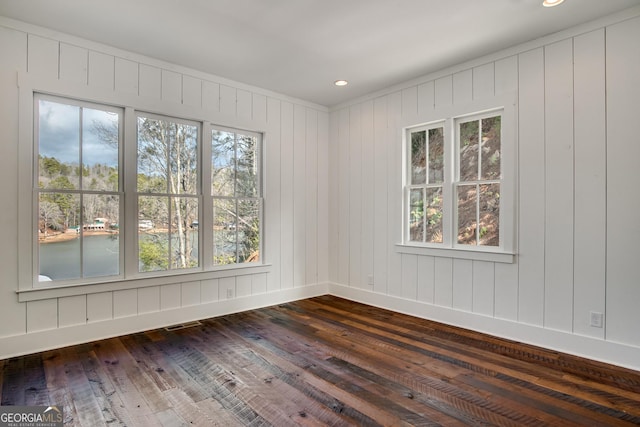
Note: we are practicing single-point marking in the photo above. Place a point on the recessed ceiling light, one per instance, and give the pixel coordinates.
(341, 83)
(551, 3)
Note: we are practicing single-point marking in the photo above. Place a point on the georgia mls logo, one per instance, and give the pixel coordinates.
(31, 416)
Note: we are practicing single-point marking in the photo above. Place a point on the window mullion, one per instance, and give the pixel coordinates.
(129, 182)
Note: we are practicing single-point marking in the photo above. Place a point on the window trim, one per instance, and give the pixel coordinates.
(450, 115)
(29, 85)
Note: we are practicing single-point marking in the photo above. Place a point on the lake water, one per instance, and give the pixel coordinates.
(61, 260)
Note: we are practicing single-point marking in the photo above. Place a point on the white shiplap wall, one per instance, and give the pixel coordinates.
(578, 150)
(296, 192)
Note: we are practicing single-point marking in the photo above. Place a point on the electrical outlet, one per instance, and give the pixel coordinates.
(229, 293)
(370, 280)
(597, 319)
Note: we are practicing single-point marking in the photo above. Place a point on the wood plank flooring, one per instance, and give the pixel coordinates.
(320, 362)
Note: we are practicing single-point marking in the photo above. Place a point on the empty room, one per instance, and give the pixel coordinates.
(320, 212)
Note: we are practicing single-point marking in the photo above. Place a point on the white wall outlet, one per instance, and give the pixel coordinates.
(229, 293)
(597, 319)
(370, 280)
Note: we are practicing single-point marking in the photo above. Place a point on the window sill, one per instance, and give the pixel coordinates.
(475, 255)
(60, 291)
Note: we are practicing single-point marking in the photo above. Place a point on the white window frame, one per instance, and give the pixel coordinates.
(28, 286)
(505, 105)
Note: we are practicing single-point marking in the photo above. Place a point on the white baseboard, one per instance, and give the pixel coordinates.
(35, 342)
(591, 348)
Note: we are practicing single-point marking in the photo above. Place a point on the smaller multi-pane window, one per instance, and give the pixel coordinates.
(454, 181)
(478, 180)
(237, 196)
(426, 184)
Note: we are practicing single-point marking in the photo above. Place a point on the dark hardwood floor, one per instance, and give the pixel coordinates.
(321, 361)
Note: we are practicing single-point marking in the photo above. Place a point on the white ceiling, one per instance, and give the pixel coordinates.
(299, 47)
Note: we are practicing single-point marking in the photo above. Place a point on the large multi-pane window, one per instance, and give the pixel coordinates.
(78, 189)
(454, 181)
(108, 208)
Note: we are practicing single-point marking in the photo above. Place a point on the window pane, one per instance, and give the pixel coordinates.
(469, 150)
(489, 234)
(418, 158)
(153, 155)
(183, 158)
(247, 165)
(58, 232)
(224, 232)
(58, 145)
(467, 214)
(248, 231)
(184, 236)
(100, 243)
(222, 163)
(491, 148)
(434, 215)
(100, 136)
(436, 155)
(153, 229)
(416, 215)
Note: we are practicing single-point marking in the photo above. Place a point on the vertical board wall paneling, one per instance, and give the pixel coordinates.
(125, 303)
(273, 179)
(150, 81)
(590, 181)
(190, 293)
(259, 110)
(244, 106)
(380, 184)
(209, 290)
(426, 98)
(243, 286)
(228, 102)
(623, 175)
(443, 95)
(409, 277)
(483, 288)
(443, 278)
(192, 91)
(426, 279)
(72, 311)
(334, 199)
(299, 194)
(506, 275)
(343, 196)
(394, 192)
(368, 196)
(13, 51)
(101, 72)
(355, 196)
(148, 299)
(558, 305)
(484, 81)
(170, 296)
(286, 195)
(211, 97)
(462, 87)
(324, 197)
(171, 86)
(43, 57)
(73, 64)
(531, 187)
(462, 292)
(311, 198)
(126, 76)
(100, 307)
(42, 315)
